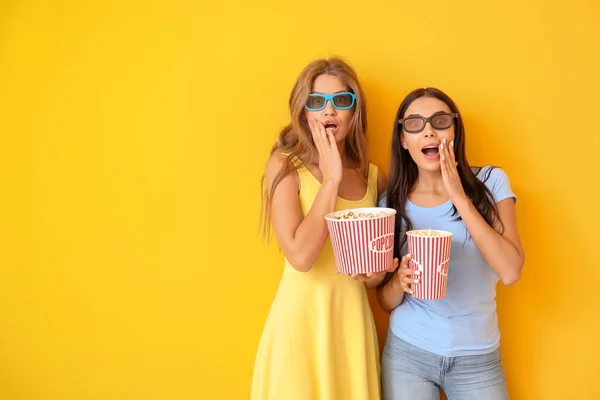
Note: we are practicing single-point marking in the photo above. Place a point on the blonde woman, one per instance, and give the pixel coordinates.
(319, 340)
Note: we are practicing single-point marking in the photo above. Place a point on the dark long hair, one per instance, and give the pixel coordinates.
(404, 172)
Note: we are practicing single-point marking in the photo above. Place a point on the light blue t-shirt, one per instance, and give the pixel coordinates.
(464, 322)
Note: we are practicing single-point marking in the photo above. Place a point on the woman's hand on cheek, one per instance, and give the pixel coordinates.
(450, 174)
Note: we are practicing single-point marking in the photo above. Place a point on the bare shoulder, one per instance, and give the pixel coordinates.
(274, 166)
(381, 181)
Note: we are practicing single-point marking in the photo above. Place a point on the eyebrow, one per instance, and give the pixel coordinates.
(432, 115)
(341, 91)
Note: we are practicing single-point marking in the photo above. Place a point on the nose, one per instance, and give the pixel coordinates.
(429, 131)
(329, 108)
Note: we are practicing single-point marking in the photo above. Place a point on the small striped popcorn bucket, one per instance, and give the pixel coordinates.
(430, 251)
(362, 239)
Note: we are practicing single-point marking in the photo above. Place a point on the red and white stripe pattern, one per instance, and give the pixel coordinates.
(362, 246)
(430, 255)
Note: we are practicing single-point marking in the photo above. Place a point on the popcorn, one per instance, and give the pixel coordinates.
(362, 239)
(349, 214)
(430, 254)
(426, 233)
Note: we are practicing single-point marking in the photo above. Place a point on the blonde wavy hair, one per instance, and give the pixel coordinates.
(296, 139)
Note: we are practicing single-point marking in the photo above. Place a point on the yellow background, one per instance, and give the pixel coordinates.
(133, 135)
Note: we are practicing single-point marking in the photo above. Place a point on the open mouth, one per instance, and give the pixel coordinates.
(330, 125)
(431, 152)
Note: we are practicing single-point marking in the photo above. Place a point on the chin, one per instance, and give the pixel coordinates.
(341, 138)
(429, 166)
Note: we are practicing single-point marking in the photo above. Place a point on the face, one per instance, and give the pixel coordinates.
(331, 117)
(423, 146)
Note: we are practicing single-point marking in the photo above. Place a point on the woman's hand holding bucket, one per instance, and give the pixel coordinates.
(406, 276)
(374, 279)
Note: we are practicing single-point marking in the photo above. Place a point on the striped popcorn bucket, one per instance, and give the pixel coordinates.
(430, 251)
(362, 245)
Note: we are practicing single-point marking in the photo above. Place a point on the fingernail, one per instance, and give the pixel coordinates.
(442, 146)
(452, 143)
(444, 140)
(416, 281)
(408, 255)
(443, 158)
(417, 272)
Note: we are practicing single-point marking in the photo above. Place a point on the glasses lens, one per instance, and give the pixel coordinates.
(443, 121)
(315, 102)
(342, 100)
(413, 124)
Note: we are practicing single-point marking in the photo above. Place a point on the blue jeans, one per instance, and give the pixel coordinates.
(408, 372)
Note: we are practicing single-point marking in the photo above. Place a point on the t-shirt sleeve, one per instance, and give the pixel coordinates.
(497, 182)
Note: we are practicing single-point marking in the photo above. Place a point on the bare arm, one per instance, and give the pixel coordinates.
(301, 238)
(503, 252)
(391, 293)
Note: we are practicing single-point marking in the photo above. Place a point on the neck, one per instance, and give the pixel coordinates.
(342, 150)
(430, 181)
